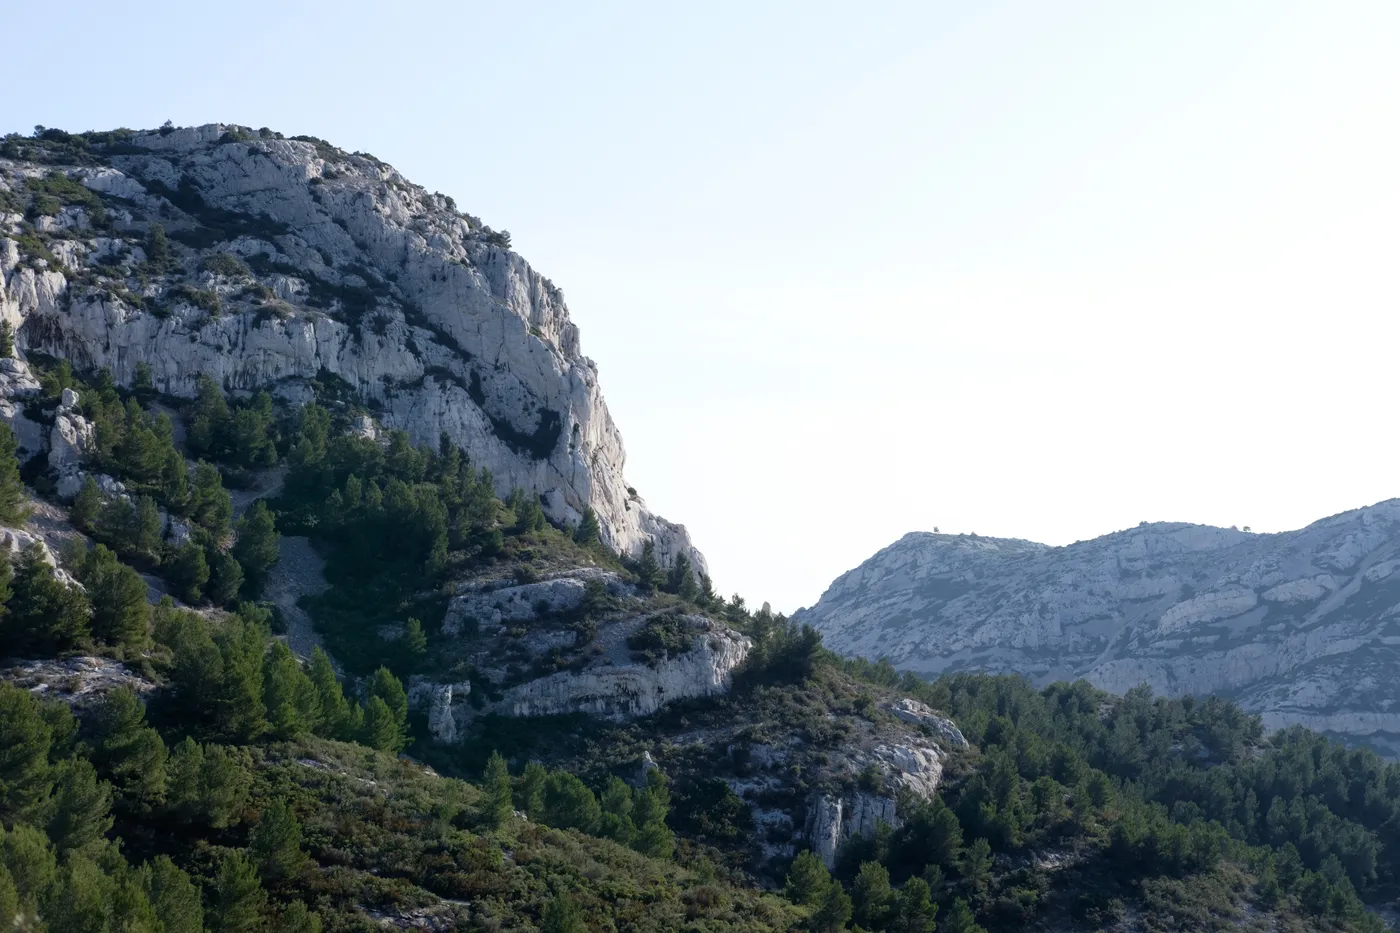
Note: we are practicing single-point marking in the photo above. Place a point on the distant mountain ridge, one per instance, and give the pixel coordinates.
(1300, 626)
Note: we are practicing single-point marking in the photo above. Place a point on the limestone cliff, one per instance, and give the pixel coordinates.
(1301, 627)
(287, 261)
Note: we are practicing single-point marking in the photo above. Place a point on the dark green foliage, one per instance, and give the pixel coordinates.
(118, 595)
(333, 711)
(414, 641)
(81, 807)
(257, 543)
(223, 264)
(13, 510)
(87, 505)
(158, 257)
(569, 804)
(648, 569)
(275, 843)
(210, 507)
(225, 576)
(959, 919)
(497, 805)
(129, 753)
(207, 785)
(188, 572)
(7, 339)
(175, 898)
(26, 778)
(872, 896)
(834, 912)
(914, 910)
(807, 880)
(562, 915)
(291, 699)
(381, 729)
(237, 900)
(43, 616)
(587, 530)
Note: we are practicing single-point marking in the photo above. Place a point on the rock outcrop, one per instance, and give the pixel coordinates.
(1300, 626)
(609, 683)
(290, 261)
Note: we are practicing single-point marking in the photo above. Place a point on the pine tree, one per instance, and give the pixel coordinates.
(189, 572)
(497, 805)
(569, 804)
(807, 879)
(28, 856)
(142, 382)
(7, 339)
(562, 915)
(149, 526)
(872, 896)
(225, 577)
(648, 570)
(587, 531)
(977, 863)
(44, 615)
(175, 480)
(679, 573)
(237, 901)
(210, 506)
(175, 898)
(239, 704)
(385, 686)
(14, 511)
(118, 595)
(26, 778)
(834, 911)
(296, 918)
(257, 545)
(959, 919)
(289, 695)
(414, 641)
(616, 802)
(82, 807)
(224, 783)
(530, 794)
(914, 910)
(381, 729)
(9, 899)
(333, 709)
(87, 505)
(275, 843)
(129, 753)
(158, 249)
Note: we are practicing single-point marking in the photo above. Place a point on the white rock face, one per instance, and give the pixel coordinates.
(920, 714)
(414, 305)
(1297, 626)
(81, 682)
(490, 609)
(611, 686)
(833, 820)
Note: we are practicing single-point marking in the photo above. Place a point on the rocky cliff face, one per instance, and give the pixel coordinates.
(291, 261)
(1301, 627)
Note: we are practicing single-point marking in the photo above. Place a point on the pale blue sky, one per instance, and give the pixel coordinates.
(1021, 268)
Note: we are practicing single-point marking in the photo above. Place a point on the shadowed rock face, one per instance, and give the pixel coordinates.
(1301, 626)
(344, 271)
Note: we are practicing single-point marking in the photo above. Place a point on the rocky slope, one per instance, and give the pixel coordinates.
(1301, 626)
(289, 261)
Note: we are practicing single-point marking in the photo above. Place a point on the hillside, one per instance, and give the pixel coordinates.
(1299, 626)
(279, 653)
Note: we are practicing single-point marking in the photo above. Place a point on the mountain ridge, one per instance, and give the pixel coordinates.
(1269, 619)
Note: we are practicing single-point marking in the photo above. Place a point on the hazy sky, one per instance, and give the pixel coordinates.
(1029, 269)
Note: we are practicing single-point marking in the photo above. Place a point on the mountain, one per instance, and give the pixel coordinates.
(310, 623)
(1302, 627)
(285, 261)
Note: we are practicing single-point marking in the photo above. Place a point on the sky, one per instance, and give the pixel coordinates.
(848, 271)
